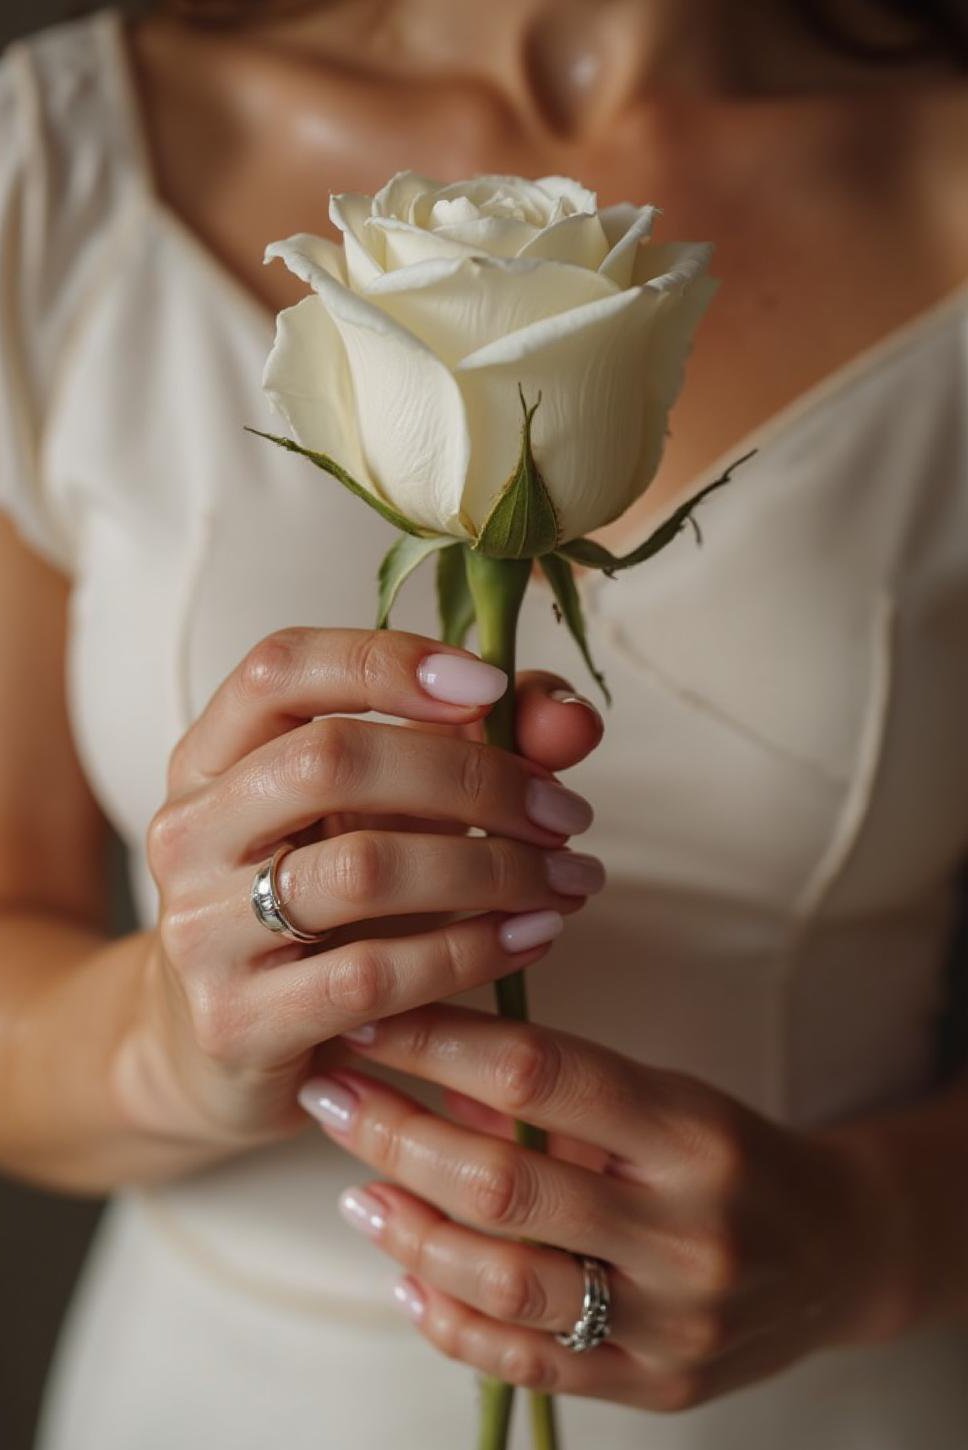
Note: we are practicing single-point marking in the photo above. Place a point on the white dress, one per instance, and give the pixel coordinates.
(782, 800)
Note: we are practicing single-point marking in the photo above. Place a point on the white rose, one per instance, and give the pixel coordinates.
(448, 304)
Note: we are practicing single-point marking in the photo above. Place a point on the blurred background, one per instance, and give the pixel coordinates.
(42, 1236)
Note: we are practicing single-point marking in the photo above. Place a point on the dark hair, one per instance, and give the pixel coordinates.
(938, 28)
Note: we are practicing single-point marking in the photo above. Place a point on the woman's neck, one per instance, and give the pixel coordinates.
(575, 67)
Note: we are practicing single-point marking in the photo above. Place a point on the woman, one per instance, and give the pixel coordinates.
(736, 1057)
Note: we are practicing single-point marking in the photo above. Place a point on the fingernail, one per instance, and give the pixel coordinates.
(568, 697)
(331, 1103)
(365, 1033)
(532, 929)
(461, 681)
(573, 874)
(409, 1297)
(550, 805)
(362, 1211)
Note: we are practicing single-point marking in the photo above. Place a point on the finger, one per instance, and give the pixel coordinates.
(517, 1283)
(499, 1187)
(297, 673)
(330, 766)
(555, 726)
(370, 874)
(476, 1115)
(556, 1080)
(525, 1357)
(287, 1009)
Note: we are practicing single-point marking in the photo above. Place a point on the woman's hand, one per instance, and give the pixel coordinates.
(735, 1246)
(230, 1016)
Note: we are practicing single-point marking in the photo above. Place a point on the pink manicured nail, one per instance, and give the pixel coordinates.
(366, 1032)
(409, 1297)
(461, 681)
(363, 1211)
(331, 1103)
(568, 697)
(532, 929)
(550, 805)
(573, 874)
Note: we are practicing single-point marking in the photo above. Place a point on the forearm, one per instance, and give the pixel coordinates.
(69, 998)
(916, 1160)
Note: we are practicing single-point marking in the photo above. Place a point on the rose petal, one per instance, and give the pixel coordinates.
(587, 433)
(308, 381)
(534, 203)
(412, 425)
(564, 188)
(457, 305)
(321, 251)
(400, 196)
(620, 262)
(349, 211)
(491, 235)
(578, 238)
(615, 220)
(405, 245)
(685, 290)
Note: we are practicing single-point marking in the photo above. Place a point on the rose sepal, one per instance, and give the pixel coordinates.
(522, 523)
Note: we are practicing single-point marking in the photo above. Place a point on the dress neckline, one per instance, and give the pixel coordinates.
(832, 384)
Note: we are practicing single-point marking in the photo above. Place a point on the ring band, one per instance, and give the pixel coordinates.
(268, 909)
(592, 1325)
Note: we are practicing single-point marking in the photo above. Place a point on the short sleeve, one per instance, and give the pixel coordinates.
(57, 194)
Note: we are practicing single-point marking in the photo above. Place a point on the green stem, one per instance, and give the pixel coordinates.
(497, 588)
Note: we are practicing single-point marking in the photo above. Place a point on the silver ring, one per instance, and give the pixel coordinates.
(268, 909)
(592, 1326)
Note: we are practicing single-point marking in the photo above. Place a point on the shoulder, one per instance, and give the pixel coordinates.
(67, 170)
(62, 108)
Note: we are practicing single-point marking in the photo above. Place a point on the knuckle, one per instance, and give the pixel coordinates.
(446, 1333)
(501, 1192)
(503, 868)
(269, 664)
(165, 837)
(177, 768)
(528, 1368)
(723, 1158)
(510, 1290)
(179, 933)
(321, 757)
(712, 1263)
(356, 868)
(528, 1072)
(697, 1337)
(474, 777)
(674, 1391)
(458, 960)
(357, 982)
(371, 663)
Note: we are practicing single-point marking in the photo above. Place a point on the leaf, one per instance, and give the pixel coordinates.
(406, 555)
(595, 556)
(561, 577)
(385, 510)
(455, 606)
(523, 522)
